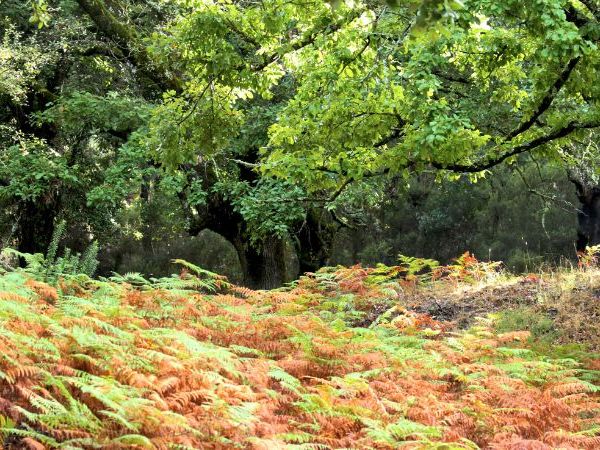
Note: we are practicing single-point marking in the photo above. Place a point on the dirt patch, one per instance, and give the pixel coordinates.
(571, 299)
(465, 303)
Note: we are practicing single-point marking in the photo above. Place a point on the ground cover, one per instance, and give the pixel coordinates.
(344, 358)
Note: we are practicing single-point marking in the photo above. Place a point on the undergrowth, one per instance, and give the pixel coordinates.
(193, 362)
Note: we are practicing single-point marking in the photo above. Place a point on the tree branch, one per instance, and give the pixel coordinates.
(129, 42)
(522, 148)
(395, 134)
(594, 9)
(339, 190)
(546, 100)
(306, 40)
(570, 207)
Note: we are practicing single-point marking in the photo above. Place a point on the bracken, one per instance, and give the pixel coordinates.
(172, 363)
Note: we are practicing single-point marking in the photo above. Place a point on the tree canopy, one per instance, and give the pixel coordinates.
(379, 88)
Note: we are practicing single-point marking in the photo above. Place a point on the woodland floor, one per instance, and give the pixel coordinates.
(344, 358)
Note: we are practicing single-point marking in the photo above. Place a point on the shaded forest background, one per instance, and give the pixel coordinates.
(497, 219)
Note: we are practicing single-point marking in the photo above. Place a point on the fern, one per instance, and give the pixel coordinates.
(133, 440)
(413, 266)
(401, 432)
(286, 380)
(51, 267)
(196, 269)
(167, 363)
(89, 260)
(57, 235)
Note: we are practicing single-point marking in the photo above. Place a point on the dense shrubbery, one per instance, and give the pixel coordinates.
(334, 360)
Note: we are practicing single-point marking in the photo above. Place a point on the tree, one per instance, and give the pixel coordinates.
(59, 120)
(80, 147)
(581, 159)
(523, 217)
(267, 120)
(385, 90)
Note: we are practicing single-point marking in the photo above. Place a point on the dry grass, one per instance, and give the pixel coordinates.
(569, 297)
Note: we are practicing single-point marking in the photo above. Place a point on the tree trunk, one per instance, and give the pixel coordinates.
(132, 45)
(263, 266)
(314, 241)
(266, 265)
(146, 198)
(588, 217)
(35, 228)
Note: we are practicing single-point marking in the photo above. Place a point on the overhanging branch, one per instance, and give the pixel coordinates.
(522, 148)
(129, 43)
(546, 100)
(593, 7)
(301, 42)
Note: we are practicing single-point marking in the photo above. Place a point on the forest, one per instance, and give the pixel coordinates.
(303, 224)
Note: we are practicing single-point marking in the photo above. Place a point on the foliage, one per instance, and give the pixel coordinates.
(51, 267)
(69, 101)
(589, 257)
(269, 207)
(262, 113)
(77, 112)
(381, 89)
(135, 363)
(493, 218)
(415, 265)
(155, 118)
(468, 268)
(20, 62)
(541, 327)
(33, 169)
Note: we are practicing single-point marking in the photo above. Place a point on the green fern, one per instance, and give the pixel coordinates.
(89, 260)
(57, 235)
